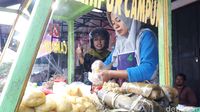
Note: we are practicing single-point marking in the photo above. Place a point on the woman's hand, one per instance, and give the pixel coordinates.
(79, 51)
(105, 75)
(109, 74)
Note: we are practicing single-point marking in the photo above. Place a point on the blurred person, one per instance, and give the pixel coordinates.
(186, 94)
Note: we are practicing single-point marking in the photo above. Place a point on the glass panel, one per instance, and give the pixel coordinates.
(13, 42)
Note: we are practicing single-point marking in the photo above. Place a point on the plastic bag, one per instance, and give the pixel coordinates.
(94, 76)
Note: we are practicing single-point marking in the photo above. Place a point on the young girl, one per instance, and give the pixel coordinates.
(99, 43)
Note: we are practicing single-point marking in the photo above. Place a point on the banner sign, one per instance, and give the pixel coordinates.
(52, 42)
(141, 10)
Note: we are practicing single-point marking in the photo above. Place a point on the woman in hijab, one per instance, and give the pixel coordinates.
(135, 53)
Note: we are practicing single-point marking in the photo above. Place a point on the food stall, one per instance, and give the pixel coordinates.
(68, 10)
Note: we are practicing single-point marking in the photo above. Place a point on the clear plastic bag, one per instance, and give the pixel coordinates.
(94, 76)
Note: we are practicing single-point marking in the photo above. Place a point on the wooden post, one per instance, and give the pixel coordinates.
(74, 10)
(21, 68)
(71, 50)
(165, 44)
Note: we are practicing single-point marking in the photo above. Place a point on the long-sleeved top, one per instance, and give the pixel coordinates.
(148, 58)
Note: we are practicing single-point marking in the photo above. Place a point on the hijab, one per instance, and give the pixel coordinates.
(125, 44)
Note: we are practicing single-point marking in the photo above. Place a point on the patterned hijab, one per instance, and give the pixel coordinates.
(100, 55)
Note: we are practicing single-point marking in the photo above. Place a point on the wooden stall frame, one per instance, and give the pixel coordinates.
(165, 44)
